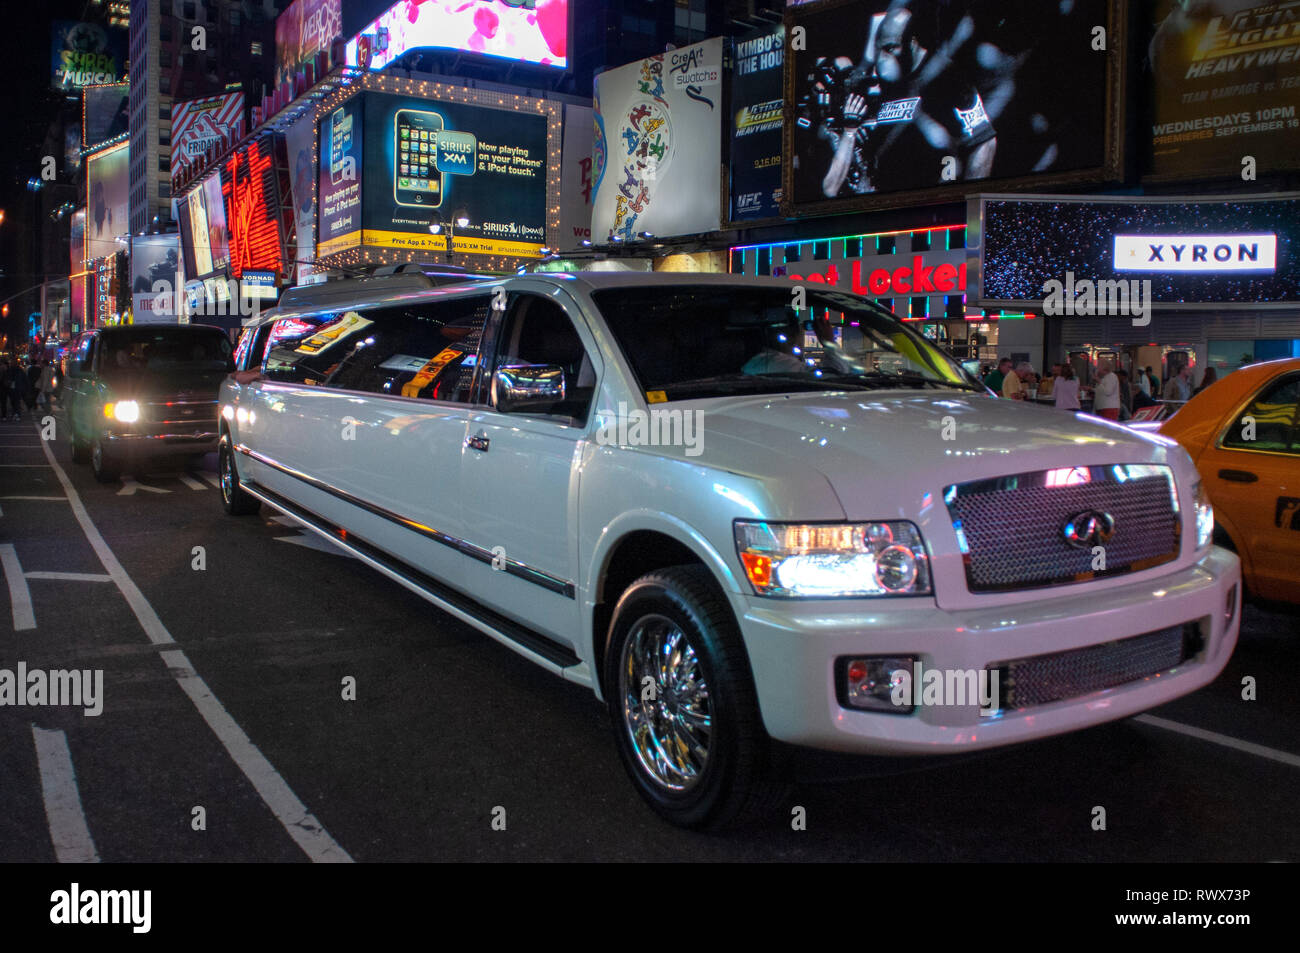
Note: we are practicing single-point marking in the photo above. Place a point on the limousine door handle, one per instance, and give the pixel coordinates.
(1238, 476)
(478, 442)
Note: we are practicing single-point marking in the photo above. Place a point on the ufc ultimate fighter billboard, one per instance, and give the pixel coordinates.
(899, 101)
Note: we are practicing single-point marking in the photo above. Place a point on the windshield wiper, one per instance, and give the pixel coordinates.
(914, 379)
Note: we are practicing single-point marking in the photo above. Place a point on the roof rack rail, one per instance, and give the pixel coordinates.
(381, 280)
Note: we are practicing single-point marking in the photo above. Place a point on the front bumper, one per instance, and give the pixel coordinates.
(793, 647)
(146, 446)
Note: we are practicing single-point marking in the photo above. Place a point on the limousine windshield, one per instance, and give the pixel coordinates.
(691, 342)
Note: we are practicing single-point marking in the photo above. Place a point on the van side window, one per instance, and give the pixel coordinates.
(538, 331)
(427, 350)
(252, 344)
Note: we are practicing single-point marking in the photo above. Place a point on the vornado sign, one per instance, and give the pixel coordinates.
(1205, 253)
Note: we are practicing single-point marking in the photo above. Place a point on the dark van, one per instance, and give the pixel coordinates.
(137, 395)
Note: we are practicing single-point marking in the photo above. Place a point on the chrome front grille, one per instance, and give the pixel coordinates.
(1042, 679)
(181, 412)
(1014, 531)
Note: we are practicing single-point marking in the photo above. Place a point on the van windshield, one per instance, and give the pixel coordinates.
(712, 340)
(131, 351)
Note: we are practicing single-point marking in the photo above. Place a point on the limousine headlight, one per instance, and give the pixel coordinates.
(124, 411)
(1204, 517)
(828, 560)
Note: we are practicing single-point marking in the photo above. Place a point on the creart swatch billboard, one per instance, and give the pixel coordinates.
(658, 145)
(529, 31)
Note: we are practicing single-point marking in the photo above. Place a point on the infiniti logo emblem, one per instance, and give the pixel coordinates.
(1088, 529)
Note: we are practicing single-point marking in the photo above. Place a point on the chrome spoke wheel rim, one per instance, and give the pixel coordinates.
(667, 708)
(227, 476)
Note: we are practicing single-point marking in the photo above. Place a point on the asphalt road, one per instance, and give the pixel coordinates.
(223, 689)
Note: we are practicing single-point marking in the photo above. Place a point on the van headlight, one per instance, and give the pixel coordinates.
(124, 411)
(827, 560)
(1204, 516)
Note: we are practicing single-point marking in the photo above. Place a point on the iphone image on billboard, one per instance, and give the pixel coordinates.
(340, 142)
(416, 179)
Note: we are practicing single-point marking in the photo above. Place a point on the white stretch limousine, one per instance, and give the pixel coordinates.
(750, 530)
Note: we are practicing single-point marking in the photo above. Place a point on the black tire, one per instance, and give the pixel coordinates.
(233, 497)
(734, 786)
(103, 464)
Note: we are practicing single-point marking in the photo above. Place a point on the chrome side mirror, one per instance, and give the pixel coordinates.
(527, 388)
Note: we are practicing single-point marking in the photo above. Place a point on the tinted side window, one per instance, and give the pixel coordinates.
(427, 350)
(1269, 422)
(538, 331)
(283, 361)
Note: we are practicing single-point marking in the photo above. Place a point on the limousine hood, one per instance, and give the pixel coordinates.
(899, 445)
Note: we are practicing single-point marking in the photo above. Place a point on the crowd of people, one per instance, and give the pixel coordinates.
(1116, 394)
(25, 385)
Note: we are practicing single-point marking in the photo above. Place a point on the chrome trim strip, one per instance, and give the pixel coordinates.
(509, 566)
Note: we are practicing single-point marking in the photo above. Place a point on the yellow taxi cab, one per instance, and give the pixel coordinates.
(1244, 434)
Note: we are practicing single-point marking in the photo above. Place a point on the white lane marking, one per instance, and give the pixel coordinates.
(1227, 741)
(129, 486)
(211, 478)
(42, 499)
(70, 576)
(292, 814)
(189, 481)
(68, 830)
(20, 597)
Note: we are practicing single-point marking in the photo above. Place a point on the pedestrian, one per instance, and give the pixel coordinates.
(1179, 387)
(33, 377)
(1065, 392)
(15, 384)
(993, 379)
(1153, 385)
(1125, 395)
(1211, 375)
(1143, 381)
(1105, 401)
(1049, 380)
(46, 385)
(1012, 388)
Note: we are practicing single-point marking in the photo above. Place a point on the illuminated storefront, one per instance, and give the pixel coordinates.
(921, 276)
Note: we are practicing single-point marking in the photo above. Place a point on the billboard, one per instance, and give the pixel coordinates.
(658, 146)
(155, 277)
(339, 219)
(77, 267)
(199, 124)
(86, 54)
(214, 207)
(104, 113)
(302, 31)
(1224, 77)
(255, 190)
(107, 187)
(897, 103)
(757, 118)
(529, 31)
(1202, 253)
(429, 162)
(576, 177)
(300, 140)
(432, 163)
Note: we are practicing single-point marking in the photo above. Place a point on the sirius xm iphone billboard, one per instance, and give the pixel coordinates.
(429, 163)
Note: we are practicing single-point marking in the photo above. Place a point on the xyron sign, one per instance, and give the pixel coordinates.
(1196, 253)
